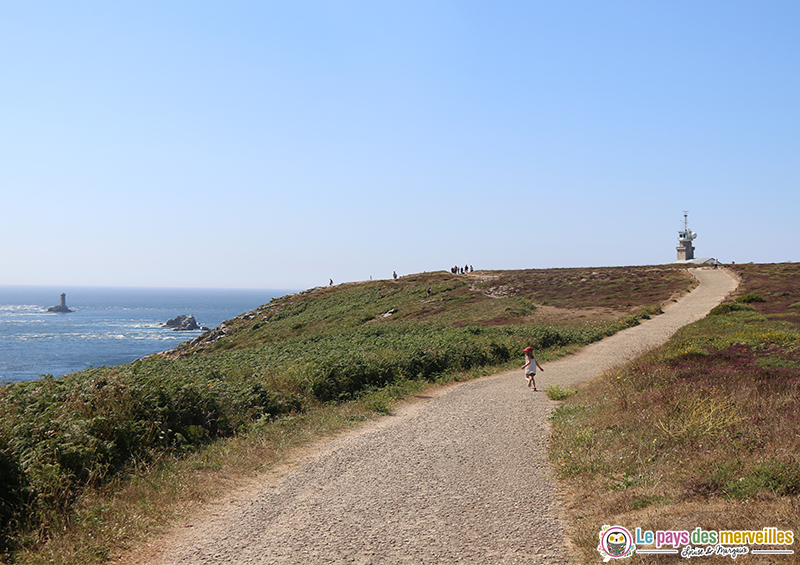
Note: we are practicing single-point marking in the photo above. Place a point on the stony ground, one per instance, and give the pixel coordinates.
(461, 476)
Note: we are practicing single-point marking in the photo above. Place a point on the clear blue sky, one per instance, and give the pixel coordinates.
(280, 144)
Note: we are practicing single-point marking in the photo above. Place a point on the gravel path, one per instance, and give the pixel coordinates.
(461, 477)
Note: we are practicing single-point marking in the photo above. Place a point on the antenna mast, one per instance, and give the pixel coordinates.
(685, 238)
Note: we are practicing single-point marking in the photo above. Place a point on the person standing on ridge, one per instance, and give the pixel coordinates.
(530, 367)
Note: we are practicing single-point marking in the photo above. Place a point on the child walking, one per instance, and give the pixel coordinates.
(530, 367)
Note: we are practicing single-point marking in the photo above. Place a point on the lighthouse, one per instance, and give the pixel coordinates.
(685, 239)
(61, 308)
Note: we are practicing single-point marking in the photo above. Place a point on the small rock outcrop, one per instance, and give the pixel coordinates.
(61, 308)
(182, 323)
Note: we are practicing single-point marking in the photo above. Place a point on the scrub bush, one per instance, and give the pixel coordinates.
(750, 297)
(728, 307)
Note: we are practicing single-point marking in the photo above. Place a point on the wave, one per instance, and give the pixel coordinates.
(159, 335)
(22, 309)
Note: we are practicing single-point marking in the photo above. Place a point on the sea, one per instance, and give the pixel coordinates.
(108, 326)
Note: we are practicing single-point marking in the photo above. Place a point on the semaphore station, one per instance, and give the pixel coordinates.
(685, 248)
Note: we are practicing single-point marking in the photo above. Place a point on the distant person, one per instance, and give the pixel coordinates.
(429, 293)
(330, 283)
(394, 274)
(530, 366)
(470, 269)
(716, 263)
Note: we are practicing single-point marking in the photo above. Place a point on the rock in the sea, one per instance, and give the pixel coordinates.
(61, 308)
(182, 323)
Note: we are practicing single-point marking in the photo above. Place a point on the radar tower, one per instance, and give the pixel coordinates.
(685, 239)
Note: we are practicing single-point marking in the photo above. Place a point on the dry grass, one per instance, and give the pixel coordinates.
(704, 432)
(678, 461)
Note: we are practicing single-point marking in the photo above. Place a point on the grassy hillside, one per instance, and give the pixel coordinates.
(69, 446)
(703, 432)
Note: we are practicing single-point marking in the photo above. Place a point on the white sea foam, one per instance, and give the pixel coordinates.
(21, 309)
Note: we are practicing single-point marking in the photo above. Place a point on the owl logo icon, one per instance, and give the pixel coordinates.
(616, 542)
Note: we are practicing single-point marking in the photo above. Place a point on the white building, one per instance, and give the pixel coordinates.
(685, 247)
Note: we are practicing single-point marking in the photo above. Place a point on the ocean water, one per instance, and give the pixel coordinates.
(109, 326)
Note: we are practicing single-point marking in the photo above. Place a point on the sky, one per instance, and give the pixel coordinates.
(282, 144)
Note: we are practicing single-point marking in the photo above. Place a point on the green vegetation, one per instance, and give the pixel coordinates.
(69, 447)
(709, 419)
(555, 392)
(728, 307)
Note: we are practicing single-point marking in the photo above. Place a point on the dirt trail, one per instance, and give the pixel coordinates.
(462, 477)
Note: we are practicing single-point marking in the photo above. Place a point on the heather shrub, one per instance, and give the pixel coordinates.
(709, 420)
(728, 307)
